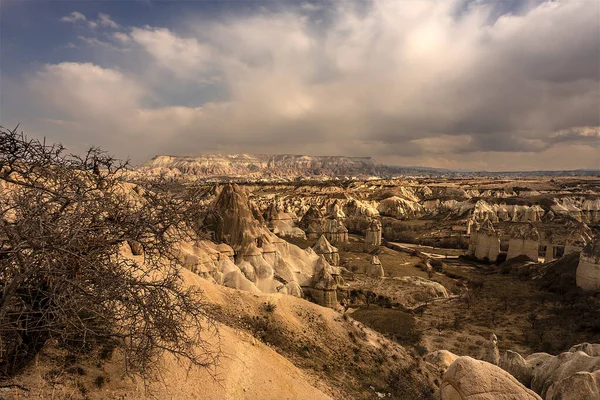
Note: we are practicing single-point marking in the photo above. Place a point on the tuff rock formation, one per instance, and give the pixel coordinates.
(588, 270)
(546, 374)
(263, 262)
(485, 243)
(312, 222)
(373, 236)
(324, 248)
(492, 355)
(375, 270)
(524, 241)
(470, 379)
(281, 223)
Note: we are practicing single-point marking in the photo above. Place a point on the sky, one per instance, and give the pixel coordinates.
(479, 84)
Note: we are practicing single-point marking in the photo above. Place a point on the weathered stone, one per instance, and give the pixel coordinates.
(374, 269)
(470, 379)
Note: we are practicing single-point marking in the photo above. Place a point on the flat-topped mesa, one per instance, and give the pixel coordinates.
(485, 242)
(373, 236)
(524, 241)
(260, 165)
(588, 269)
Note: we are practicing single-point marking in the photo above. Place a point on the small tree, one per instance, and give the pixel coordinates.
(64, 220)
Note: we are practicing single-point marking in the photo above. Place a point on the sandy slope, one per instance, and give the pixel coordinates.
(248, 369)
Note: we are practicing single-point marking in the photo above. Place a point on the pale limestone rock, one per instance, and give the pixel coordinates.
(579, 386)
(484, 243)
(470, 379)
(441, 360)
(323, 247)
(517, 366)
(373, 236)
(335, 231)
(294, 289)
(492, 354)
(312, 222)
(400, 208)
(237, 280)
(588, 271)
(325, 284)
(375, 270)
(590, 349)
(524, 241)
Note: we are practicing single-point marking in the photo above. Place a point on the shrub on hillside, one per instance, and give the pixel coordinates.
(64, 220)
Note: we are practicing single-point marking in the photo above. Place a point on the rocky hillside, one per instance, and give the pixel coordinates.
(283, 167)
(260, 166)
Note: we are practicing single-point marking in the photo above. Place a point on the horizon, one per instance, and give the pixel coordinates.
(460, 85)
(374, 163)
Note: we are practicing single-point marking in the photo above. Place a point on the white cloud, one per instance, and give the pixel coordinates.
(405, 82)
(121, 37)
(105, 20)
(185, 57)
(75, 16)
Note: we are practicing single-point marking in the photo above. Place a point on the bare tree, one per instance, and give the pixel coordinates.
(64, 221)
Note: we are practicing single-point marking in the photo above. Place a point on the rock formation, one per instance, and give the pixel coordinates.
(324, 288)
(312, 222)
(588, 270)
(373, 236)
(579, 237)
(263, 262)
(470, 379)
(485, 243)
(400, 208)
(546, 374)
(375, 270)
(524, 241)
(281, 223)
(440, 360)
(324, 248)
(335, 231)
(579, 386)
(492, 355)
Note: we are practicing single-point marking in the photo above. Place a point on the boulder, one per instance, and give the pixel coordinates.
(540, 371)
(440, 360)
(136, 247)
(470, 379)
(579, 386)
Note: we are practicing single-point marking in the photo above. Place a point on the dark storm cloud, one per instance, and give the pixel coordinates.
(393, 80)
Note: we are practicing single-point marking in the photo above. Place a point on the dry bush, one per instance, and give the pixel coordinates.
(63, 278)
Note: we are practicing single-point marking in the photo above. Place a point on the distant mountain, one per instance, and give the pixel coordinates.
(260, 166)
(289, 167)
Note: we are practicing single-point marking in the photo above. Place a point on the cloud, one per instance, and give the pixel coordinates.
(121, 37)
(185, 57)
(74, 17)
(105, 20)
(404, 82)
